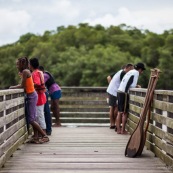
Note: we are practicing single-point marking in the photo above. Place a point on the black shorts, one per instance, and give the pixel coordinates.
(123, 102)
(112, 100)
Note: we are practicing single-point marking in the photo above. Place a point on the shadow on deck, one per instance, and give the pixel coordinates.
(82, 150)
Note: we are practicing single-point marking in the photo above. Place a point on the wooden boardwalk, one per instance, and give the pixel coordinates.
(82, 150)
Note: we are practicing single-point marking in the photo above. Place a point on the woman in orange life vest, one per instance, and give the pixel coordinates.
(32, 97)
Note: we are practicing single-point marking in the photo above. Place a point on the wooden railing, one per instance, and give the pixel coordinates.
(84, 106)
(160, 132)
(13, 130)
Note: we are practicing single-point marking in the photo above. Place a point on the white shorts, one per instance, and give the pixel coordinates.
(40, 116)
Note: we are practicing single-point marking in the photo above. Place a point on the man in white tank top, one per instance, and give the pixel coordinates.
(112, 91)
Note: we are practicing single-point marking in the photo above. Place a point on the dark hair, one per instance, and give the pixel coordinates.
(41, 68)
(128, 65)
(139, 65)
(23, 63)
(123, 66)
(34, 63)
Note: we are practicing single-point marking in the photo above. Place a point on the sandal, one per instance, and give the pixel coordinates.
(35, 141)
(45, 139)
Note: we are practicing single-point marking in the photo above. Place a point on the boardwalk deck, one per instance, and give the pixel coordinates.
(82, 150)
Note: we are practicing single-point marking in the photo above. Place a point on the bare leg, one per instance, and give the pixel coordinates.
(56, 111)
(115, 114)
(111, 117)
(124, 120)
(35, 132)
(118, 122)
(37, 129)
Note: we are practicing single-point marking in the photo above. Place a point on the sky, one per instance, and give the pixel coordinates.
(18, 17)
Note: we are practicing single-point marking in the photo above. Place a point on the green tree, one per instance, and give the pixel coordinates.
(85, 55)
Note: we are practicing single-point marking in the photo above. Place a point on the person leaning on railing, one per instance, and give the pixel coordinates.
(129, 81)
(31, 99)
(112, 93)
(55, 94)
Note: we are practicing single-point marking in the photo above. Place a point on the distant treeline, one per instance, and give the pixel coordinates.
(85, 55)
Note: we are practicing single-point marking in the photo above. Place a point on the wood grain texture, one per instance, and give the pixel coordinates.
(82, 150)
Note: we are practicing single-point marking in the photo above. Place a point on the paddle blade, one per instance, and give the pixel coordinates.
(134, 143)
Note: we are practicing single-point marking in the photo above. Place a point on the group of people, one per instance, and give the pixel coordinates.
(38, 84)
(118, 89)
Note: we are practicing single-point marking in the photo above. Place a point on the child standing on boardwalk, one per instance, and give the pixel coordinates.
(31, 96)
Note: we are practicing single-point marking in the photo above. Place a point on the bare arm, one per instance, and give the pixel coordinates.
(25, 75)
(138, 86)
(15, 87)
(109, 79)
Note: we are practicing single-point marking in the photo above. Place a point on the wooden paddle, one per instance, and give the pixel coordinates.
(137, 139)
(137, 135)
(143, 140)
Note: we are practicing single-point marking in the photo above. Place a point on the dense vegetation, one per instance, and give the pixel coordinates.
(84, 55)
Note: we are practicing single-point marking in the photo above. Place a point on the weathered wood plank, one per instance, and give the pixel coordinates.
(11, 92)
(137, 99)
(82, 150)
(166, 106)
(8, 143)
(160, 133)
(14, 102)
(5, 135)
(10, 117)
(167, 159)
(159, 143)
(12, 149)
(162, 120)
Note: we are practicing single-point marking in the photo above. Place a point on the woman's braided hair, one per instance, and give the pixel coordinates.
(23, 63)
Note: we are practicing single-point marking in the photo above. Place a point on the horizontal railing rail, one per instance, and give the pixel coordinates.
(160, 132)
(13, 131)
(84, 106)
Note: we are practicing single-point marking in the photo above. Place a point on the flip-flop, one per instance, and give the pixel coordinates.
(45, 139)
(35, 141)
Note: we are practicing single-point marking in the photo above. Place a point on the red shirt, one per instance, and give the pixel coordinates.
(36, 74)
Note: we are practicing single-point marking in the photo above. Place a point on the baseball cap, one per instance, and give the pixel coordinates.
(140, 65)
